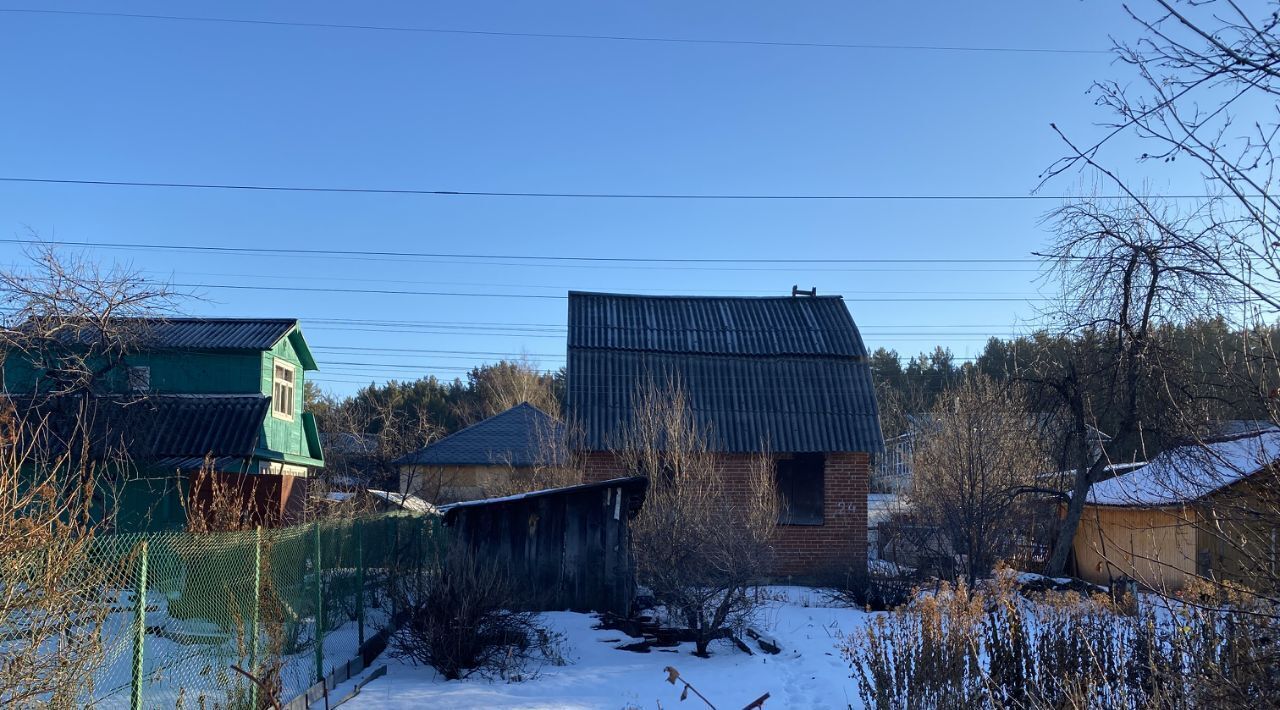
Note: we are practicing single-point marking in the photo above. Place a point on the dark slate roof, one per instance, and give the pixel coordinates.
(196, 425)
(161, 427)
(219, 333)
(521, 436)
(637, 486)
(714, 325)
(202, 333)
(789, 373)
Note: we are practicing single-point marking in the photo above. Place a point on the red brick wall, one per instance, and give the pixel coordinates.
(270, 500)
(826, 551)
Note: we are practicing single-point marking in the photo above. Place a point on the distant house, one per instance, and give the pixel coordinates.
(355, 461)
(480, 460)
(1170, 521)
(227, 391)
(894, 472)
(785, 375)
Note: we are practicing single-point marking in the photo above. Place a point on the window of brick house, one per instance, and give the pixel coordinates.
(800, 489)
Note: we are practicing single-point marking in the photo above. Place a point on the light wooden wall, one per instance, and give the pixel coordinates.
(1156, 546)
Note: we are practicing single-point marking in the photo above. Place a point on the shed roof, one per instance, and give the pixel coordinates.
(636, 485)
(522, 436)
(789, 373)
(1188, 473)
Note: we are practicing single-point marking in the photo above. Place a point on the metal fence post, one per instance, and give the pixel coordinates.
(255, 615)
(319, 608)
(140, 630)
(360, 582)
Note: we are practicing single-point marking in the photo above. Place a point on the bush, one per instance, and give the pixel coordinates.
(992, 648)
(881, 587)
(704, 537)
(463, 618)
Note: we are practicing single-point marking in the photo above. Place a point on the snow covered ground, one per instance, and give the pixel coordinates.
(809, 673)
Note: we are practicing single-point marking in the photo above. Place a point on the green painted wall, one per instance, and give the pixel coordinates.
(190, 372)
(172, 372)
(283, 435)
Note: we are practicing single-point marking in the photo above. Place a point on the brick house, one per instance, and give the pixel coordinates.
(787, 374)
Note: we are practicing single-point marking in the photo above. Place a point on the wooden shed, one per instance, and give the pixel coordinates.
(1207, 510)
(570, 544)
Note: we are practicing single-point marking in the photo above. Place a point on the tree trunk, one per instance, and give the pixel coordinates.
(1067, 530)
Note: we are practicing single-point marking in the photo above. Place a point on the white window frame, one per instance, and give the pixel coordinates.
(277, 383)
(139, 377)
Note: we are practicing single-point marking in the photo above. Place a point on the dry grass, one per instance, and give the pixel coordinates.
(993, 648)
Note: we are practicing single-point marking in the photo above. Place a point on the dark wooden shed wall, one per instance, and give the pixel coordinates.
(571, 546)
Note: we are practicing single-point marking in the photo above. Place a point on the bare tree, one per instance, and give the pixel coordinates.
(505, 384)
(365, 436)
(64, 337)
(971, 472)
(557, 460)
(704, 534)
(69, 322)
(1123, 281)
(1205, 77)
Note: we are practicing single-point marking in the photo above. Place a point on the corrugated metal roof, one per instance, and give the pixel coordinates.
(158, 427)
(522, 436)
(789, 374)
(200, 425)
(218, 333)
(818, 325)
(199, 333)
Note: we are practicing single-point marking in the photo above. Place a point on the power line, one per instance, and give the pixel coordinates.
(525, 257)
(530, 261)
(562, 326)
(543, 296)
(562, 35)
(330, 348)
(581, 195)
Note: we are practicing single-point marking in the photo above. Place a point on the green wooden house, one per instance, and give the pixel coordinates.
(223, 394)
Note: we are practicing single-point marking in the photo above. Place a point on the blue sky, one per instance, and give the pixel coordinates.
(111, 98)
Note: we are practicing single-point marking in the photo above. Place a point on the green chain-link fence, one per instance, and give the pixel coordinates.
(286, 606)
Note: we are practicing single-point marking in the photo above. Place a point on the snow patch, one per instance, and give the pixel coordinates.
(809, 672)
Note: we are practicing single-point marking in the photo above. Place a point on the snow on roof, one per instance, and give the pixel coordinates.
(1190, 472)
(406, 501)
(1113, 470)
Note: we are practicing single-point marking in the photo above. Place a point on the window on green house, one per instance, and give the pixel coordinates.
(140, 378)
(282, 391)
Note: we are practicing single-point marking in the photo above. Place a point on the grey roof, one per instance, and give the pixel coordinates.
(166, 428)
(522, 436)
(198, 333)
(198, 425)
(631, 484)
(218, 333)
(714, 326)
(789, 373)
